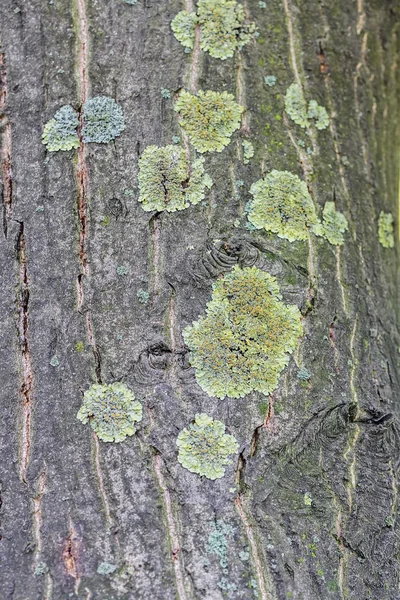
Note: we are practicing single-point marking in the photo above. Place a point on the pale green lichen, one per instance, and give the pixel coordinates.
(106, 568)
(41, 569)
(218, 541)
(183, 26)
(122, 271)
(166, 94)
(103, 120)
(281, 204)
(60, 133)
(270, 80)
(297, 110)
(307, 499)
(334, 225)
(209, 118)
(54, 361)
(168, 182)
(243, 342)
(205, 448)
(143, 296)
(386, 229)
(111, 410)
(223, 27)
(319, 114)
(248, 151)
(296, 106)
(303, 374)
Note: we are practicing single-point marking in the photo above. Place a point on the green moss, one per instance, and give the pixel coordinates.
(183, 26)
(209, 118)
(244, 340)
(218, 541)
(168, 182)
(204, 447)
(60, 133)
(248, 151)
(281, 204)
(111, 410)
(386, 229)
(223, 27)
(334, 225)
(103, 120)
(79, 347)
(106, 568)
(297, 110)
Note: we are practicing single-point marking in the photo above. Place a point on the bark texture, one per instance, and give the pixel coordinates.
(310, 509)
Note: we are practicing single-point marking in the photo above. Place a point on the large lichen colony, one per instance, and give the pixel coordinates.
(243, 342)
(111, 410)
(168, 182)
(209, 118)
(204, 447)
(223, 27)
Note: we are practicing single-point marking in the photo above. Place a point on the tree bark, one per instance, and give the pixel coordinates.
(310, 507)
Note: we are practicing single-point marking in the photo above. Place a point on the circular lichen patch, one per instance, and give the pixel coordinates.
(244, 340)
(111, 410)
(103, 120)
(281, 204)
(209, 118)
(205, 448)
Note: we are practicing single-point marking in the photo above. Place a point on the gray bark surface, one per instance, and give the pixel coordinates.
(70, 501)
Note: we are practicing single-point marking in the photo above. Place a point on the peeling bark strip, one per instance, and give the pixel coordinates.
(37, 515)
(254, 550)
(26, 360)
(6, 170)
(172, 529)
(70, 555)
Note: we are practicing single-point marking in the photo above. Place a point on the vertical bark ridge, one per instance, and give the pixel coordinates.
(26, 358)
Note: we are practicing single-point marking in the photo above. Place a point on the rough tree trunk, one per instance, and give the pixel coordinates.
(310, 506)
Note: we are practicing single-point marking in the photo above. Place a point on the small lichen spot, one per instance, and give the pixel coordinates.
(334, 225)
(248, 151)
(386, 229)
(106, 568)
